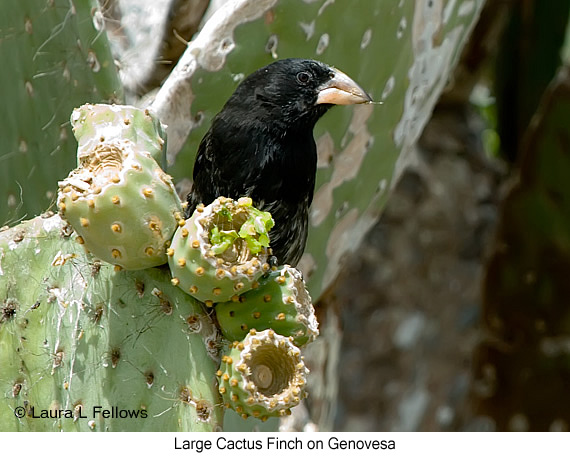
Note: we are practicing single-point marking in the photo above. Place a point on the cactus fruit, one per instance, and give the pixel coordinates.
(281, 303)
(221, 251)
(262, 376)
(120, 202)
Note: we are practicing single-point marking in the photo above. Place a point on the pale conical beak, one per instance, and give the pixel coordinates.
(341, 90)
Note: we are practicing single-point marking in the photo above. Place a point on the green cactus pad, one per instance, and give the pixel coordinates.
(119, 201)
(281, 303)
(221, 251)
(262, 376)
(90, 344)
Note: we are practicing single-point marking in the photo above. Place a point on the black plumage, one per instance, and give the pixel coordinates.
(261, 145)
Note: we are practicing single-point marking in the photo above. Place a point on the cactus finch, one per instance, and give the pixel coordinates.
(261, 145)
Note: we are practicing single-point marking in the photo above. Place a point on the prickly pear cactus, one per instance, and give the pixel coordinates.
(55, 57)
(83, 347)
(262, 375)
(281, 302)
(221, 251)
(121, 203)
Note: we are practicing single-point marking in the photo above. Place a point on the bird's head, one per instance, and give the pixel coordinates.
(297, 91)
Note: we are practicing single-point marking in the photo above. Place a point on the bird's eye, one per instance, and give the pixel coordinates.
(303, 77)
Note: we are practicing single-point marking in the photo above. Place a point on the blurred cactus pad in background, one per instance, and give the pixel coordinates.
(78, 332)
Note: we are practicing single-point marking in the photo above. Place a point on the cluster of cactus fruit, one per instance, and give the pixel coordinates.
(125, 211)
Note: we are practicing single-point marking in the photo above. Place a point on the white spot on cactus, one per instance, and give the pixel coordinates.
(466, 8)
(98, 20)
(28, 27)
(237, 78)
(448, 10)
(341, 210)
(325, 150)
(93, 62)
(401, 27)
(324, 6)
(271, 46)
(389, 87)
(12, 201)
(308, 28)
(323, 43)
(29, 88)
(366, 38)
(66, 73)
(23, 146)
(63, 133)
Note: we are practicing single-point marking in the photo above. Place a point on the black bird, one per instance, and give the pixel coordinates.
(261, 145)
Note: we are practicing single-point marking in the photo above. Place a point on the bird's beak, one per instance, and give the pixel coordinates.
(341, 90)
